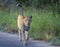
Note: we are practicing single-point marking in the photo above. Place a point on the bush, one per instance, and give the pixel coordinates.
(55, 41)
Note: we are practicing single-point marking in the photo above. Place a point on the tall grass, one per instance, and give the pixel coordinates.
(8, 19)
(42, 26)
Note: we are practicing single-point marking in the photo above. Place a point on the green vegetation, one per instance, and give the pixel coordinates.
(43, 25)
(56, 41)
(8, 20)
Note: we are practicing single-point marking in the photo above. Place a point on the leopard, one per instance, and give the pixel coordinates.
(23, 23)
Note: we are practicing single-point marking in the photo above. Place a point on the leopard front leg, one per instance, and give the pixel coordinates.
(20, 34)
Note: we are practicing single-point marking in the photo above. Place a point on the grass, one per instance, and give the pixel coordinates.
(8, 19)
(55, 41)
(42, 26)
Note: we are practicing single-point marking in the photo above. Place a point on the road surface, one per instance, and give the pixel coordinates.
(11, 40)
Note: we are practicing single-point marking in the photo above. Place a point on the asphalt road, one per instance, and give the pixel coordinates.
(11, 40)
